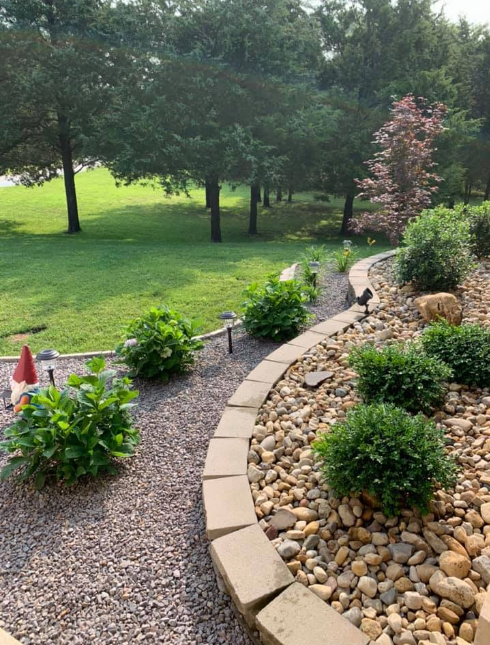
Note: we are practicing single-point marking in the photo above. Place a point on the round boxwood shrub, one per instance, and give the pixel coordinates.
(436, 251)
(479, 221)
(277, 310)
(404, 376)
(384, 451)
(465, 349)
(160, 343)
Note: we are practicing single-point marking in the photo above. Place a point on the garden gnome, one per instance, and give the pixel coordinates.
(440, 305)
(24, 382)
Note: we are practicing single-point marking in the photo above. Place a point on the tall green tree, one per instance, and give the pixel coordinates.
(61, 60)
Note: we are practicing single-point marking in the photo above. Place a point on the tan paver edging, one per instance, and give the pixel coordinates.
(253, 574)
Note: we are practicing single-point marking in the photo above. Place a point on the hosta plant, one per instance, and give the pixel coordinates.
(404, 376)
(74, 432)
(160, 343)
(382, 450)
(277, 310)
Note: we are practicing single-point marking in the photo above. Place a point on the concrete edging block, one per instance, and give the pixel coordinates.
(267, 372)
(252, 571)
(236, 422)
(297, 613)
(228, 505)
(226, 457)
(249, 394)
(307, 340)
(286, 353)
(6, 639)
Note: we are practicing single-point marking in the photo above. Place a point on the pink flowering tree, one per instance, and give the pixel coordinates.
(402, 180)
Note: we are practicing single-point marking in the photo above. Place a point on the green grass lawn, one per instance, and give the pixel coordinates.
(138, 248)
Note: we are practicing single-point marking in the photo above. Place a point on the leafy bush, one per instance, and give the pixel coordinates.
(160, 343)
(316, 253)
(436, 251)
(402, 376)
(383, 450)
(479, 220)
(277, 310)
(75, 432)
(465, 349)
(310, 292)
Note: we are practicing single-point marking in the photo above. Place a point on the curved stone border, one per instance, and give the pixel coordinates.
(287, 274)
(283, 611)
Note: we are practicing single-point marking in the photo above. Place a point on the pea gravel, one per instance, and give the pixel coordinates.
(124, 559)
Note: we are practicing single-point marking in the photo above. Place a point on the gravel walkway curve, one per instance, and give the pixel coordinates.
(124, 559)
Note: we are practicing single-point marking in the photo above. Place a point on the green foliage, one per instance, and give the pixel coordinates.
(383, 450)
(436, 251)
(160, 343)
(479, 219)
(74, 432)
(465, 349)
(403, 376)
(345, 258)
(310, 292)
(315, 253)
(277, 310)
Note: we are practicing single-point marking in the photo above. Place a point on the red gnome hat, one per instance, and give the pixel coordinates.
(25, 370)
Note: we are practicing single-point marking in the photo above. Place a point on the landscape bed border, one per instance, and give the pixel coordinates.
(247, 566)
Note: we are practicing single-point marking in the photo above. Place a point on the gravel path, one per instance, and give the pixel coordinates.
(125, 559)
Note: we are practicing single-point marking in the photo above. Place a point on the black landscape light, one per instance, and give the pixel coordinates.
(228, 318)
(364, 298)
(47, 358)
(314, 268)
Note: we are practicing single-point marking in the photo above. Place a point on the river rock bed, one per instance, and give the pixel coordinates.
(402, 580)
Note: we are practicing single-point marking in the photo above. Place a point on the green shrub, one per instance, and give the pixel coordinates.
(383, 450)
(436, 251)
(74, 432)
(159, 344)
(277, 310)
(465, 349)
(402, 376)
(479, 220)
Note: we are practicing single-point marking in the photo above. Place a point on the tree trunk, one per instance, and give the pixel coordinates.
(290, 195)
(450, 203)
(466, 192)
(486, 197)
(278, 195)
(267, 200)
(348, 214)
(254, 198)
(259, 196)
(68, 174)
(214, 189)
(208, 197)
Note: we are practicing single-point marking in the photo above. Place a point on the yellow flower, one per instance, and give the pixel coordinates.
(370, 241)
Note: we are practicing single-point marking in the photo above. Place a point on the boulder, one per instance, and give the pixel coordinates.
(440, 305)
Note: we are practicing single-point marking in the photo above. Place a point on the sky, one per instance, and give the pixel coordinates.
(474, 10)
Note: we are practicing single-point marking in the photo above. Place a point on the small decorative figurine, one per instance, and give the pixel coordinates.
(24, 383)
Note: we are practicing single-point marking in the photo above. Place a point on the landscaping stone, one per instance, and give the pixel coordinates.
(228, 505)
(226, 458)
(283, 621)
(233, 554)
(313, 379)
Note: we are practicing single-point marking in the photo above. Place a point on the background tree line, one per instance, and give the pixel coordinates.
(267, 93)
